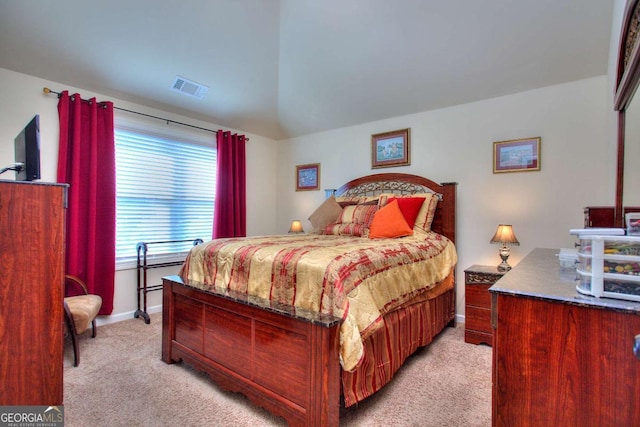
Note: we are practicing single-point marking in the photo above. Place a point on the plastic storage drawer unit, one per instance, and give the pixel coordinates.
(609, 266)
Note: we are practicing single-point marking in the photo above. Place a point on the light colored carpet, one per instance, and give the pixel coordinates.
(121, 381)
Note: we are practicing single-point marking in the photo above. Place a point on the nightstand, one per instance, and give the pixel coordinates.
(477, 324)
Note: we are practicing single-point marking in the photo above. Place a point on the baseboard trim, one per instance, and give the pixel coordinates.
(114, 318)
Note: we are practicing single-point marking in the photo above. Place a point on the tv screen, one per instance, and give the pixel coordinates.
(27, 149)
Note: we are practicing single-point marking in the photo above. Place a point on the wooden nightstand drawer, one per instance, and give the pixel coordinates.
(478, 296)
(478, 319)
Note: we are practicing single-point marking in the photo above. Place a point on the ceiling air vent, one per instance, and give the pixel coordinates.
(189, 87)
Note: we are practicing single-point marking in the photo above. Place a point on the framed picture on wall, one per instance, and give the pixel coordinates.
(391, 149)
(308, 177)
(516, 155)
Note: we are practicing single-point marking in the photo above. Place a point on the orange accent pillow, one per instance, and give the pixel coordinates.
(389, 222)
(409, 206)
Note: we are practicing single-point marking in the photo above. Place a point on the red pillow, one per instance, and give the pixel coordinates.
(409, 206)
(389, 222)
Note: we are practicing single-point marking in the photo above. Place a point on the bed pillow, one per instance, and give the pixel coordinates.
(327, 213)
(353, 221)
(389, 222)
(410, 207)
(357, 200)
(427, 210)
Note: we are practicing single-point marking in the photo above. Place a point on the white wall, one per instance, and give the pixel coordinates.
(455, 144)
(21, 97)
(451, 144)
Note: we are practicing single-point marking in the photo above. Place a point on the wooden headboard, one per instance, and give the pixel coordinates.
(444, 221)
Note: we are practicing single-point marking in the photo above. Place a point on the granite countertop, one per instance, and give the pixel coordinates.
(539, 276)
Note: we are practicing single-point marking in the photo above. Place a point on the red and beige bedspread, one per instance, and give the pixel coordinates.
(354, 278)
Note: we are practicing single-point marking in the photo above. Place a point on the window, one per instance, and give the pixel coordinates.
(165, 190)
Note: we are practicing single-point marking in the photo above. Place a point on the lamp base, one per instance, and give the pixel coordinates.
(504, 254)
(504, 266)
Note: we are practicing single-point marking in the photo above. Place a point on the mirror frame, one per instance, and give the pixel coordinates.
(627, 80)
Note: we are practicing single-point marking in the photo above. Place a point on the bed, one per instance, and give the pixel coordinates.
(302, 324)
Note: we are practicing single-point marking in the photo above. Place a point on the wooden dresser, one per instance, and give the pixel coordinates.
(561, 358)
(32, 224)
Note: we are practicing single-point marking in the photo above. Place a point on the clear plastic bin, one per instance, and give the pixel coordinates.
(568, 258)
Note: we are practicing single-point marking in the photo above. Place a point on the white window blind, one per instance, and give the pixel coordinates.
(165, 190)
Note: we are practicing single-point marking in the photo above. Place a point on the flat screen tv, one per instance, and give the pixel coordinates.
(27, 149)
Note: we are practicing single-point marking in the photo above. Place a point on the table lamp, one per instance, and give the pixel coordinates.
(296, 227)
(505, 237)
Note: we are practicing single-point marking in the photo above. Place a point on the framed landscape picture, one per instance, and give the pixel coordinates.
(391, 149)
(308, 177)
(516, 155)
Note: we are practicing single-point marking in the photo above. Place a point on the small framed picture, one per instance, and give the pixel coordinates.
(308, 177)
(516, 155)
(391, 149)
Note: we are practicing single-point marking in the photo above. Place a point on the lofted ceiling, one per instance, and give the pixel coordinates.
(284, 68)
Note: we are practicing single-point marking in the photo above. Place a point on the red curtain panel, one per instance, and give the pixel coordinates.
(86, 161)
(230, 212)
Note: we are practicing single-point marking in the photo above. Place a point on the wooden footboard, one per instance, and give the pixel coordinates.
(284, 361)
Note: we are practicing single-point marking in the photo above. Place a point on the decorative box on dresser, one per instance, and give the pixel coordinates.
(32, 224)
(477, 324)
(561, 358)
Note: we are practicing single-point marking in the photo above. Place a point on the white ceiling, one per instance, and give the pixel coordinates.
(283, 68)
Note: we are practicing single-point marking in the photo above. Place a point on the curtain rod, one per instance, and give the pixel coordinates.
(48, 91)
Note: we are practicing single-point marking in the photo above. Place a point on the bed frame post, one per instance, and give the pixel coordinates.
(449, 205)
(325, 378)
(449, 229)
(168, 330)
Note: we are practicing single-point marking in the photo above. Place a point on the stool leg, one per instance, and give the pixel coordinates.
(76, 350)
(71, 327)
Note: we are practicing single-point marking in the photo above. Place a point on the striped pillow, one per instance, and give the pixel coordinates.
(427, 213)
(353, 221)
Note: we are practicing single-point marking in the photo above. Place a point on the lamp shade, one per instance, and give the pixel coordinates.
(296, 226)
(505, 236)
